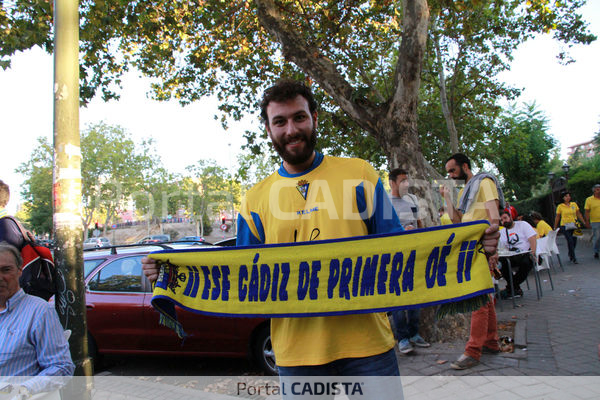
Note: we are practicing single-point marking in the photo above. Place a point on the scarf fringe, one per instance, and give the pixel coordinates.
(462, 307)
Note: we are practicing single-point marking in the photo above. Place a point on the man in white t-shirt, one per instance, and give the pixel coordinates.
(517, 236)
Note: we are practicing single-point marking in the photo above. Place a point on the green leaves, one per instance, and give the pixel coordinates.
(522, 152)
(191, 49)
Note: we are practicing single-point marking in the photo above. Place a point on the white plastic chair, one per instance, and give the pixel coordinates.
(553, 248)
(542, 250)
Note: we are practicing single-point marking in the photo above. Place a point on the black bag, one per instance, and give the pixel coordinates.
(39, 273)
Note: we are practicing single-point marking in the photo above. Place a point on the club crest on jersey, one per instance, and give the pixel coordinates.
(302, 187)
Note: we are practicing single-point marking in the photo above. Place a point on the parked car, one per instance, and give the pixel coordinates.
(95, 242)
(121, 320)
(155, 239)
(49, 243)
(226, 242)
(191, 240)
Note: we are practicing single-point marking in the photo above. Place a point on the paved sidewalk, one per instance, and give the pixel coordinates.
(561, 331)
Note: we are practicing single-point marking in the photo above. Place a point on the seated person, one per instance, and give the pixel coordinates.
(517, 236)
(542, 228)
(33, 344)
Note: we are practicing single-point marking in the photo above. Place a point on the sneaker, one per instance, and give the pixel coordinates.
(489, 350)
(418, 341)
(405, 346)
(575, 261)
(505, 293)
(464, 362)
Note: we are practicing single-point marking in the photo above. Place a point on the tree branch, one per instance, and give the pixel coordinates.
(321, 69)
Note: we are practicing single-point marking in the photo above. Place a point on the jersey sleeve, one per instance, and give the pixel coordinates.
(488, 190)
(374, 204)
(250, 230)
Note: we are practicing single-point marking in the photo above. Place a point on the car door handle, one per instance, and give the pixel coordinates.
(89, 306)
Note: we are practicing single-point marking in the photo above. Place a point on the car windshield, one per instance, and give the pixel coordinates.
(89, 265)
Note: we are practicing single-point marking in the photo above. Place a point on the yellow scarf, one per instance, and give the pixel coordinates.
(364, 274)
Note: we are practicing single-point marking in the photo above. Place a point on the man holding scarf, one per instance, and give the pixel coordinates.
(481, 198)
(275, 211)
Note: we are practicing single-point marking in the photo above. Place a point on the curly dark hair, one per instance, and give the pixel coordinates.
(283, 90)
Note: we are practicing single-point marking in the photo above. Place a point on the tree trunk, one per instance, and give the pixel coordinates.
(452, 133)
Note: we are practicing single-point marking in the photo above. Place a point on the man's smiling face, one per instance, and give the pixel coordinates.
(291, 128)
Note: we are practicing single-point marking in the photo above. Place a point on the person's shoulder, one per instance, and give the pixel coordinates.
(260, 186)
(350, 168)
(36, 304)
(37, 301)
(488, 189)
(524, 224)
(411, 198)
(345, 161)
(488, 182)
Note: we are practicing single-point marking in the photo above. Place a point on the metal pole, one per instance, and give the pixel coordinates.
(70, 299)
(552, 206)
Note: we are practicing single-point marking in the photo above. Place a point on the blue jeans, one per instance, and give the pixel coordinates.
(384, 364)
(571, 242)
(596, 236)
(406, 323)
(380, 378)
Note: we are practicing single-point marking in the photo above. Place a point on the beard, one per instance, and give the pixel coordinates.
(462, 177)
(508, 224)
(302, 156)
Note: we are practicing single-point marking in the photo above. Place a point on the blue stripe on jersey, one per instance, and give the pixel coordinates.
(384, 218)
(245, 237)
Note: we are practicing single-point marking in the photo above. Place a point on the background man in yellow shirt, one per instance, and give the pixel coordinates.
(480, 199)
(592, 217)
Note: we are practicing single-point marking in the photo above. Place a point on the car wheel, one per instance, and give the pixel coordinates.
(263, 351)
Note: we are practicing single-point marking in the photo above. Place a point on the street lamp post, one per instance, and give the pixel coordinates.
(551, 181)
(566, 167)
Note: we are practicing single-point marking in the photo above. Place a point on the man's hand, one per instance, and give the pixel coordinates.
(150, 268)
(445, 192)
(490, 244)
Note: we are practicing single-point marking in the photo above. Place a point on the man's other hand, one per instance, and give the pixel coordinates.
(150, 268)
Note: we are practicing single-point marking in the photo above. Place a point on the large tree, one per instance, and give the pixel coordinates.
(364, 57)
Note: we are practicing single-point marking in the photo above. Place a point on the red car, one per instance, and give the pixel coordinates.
(121, 320)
